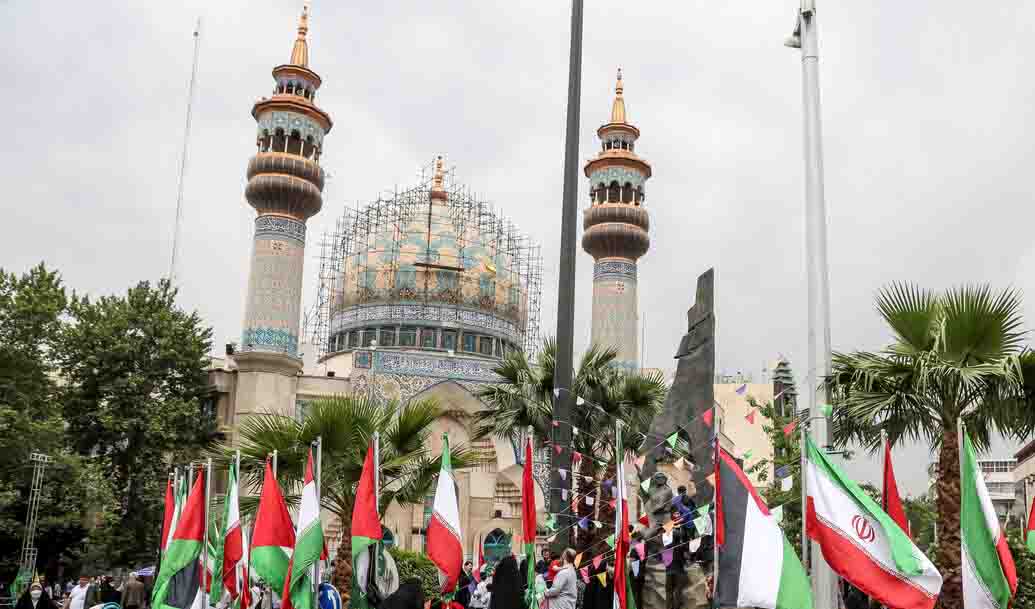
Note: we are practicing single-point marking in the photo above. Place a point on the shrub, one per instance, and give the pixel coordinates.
(412, 565)
(1025, 561)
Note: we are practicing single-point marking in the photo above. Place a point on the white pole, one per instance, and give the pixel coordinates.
(274, 463)
(802, 451)
(316, 481)
(716, 427)
(824, 581)
(183, 155)
(204, 548)
(377, 499)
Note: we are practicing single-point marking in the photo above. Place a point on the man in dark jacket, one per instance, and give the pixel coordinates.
(134, 594)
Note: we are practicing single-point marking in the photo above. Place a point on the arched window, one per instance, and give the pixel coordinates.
(496, 546)
(614, 193)
(627, 193)
(601, 192)
(387, 537)
(308, 149)
(278, 140)
(295, 143)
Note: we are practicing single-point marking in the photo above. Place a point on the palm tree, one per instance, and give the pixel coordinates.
(956, 355)
(346, 425)
(525, 398)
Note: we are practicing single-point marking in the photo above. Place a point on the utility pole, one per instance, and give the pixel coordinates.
(564, 400)
(183, 154)
(824, 580)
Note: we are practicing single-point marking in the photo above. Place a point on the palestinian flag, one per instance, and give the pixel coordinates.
(366, 531)
(624, 598)
(244, 599)
(1029, 531)
(444, 546)
(179, 498)
(757, 566)
(298, 585)
(528, 525)
(178, 585)
(229, 543)
(989, 575)
(890, 501)
(861, 542)
(273, 536)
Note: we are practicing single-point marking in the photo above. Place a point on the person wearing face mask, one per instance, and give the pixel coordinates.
(35, 598)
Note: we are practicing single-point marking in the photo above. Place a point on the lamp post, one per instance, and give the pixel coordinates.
(824, 581)
(373, 369)
(563, 398)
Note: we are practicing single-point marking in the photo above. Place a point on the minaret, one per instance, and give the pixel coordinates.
(285, 183)
(615, 232)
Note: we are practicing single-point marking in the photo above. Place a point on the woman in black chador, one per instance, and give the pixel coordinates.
(506, 586)
(35, 598)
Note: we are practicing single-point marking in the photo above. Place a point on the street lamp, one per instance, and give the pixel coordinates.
(373, 369)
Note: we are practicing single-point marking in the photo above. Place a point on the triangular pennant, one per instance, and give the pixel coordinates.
(702, 524)
(707, 417)
(641, 549)
(786, 484)
(597, 560)
(639, 461)
(827, 409)
(645, 485)
(788, 429)
(672, 440)
(666, 556)
(574, 430)
(558, 448)
(584, 523)
(608, 482)
(747, 454)
(635, 564)
(579, 401)
(589, 500)
(750, 418)
(563, 473)
(603, 578)
(666, 538)
(552, 538)
(584, 571)
(556, 423)
(611, 540)
(578, 560)
(643, 520)
(612, 503)
(598, 524)
(564, 494)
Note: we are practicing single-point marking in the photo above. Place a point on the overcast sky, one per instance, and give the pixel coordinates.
(928, 135)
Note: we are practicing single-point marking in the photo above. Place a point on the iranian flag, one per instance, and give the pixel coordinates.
(623, 598)
(273, 536)
(229, 543)
(244, 599)
(757, 566)
(861, 542)
(444, 546)
(298, 585)
(989, 575)
(1029, 531)
(178, 585)
(366, 531)
(528, 524)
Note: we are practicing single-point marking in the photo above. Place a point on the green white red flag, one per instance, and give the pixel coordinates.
(170, 510)
(1029, 531)
(366, 531)
(861, 542)
(528, 525)
(989, 574)
(273, 536)
(298, 585)
(444, 546)
(229, 549)
(179, 584)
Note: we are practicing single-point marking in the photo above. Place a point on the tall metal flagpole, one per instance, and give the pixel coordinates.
(183, 154)
(372, 572)
(824, 581)
(204, 549)
(562, 380)
(316, 481)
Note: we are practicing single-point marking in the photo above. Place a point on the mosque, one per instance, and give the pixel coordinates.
(422, 292)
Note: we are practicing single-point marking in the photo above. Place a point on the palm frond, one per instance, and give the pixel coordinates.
(912, 314)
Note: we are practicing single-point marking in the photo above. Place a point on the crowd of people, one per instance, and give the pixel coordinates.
(87, 593)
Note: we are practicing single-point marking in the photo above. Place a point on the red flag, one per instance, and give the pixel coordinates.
(1028, 537)
(192, 523)
(890, 500)
(365, 521)
(528, 513)
(788, 429)
(707, 416)
(170, 507)
(750, 418)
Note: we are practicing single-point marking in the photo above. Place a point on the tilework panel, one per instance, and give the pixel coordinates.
(614, 269)
(274, 292)
(617, 174)
(440, 366)
(392, 314)
(279, 227)
(290, 121)
(615, 317)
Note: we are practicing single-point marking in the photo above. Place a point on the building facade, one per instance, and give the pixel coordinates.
(615, 233)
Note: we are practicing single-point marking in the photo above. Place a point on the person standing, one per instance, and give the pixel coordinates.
(77, 596)
(543, 565)
(564, 591)
(506, 585)
(35, 597)
(134, 594)
(463, 585)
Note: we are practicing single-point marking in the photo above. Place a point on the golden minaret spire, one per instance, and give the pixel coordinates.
(300, 53)
(618, 107)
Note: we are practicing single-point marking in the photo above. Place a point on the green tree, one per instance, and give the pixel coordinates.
(956, 355)
(787, 463)
(133, 394)
(346, 426)
(1024, 560)
(525, 399)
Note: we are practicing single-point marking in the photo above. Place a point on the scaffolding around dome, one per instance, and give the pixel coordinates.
(417, 270)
